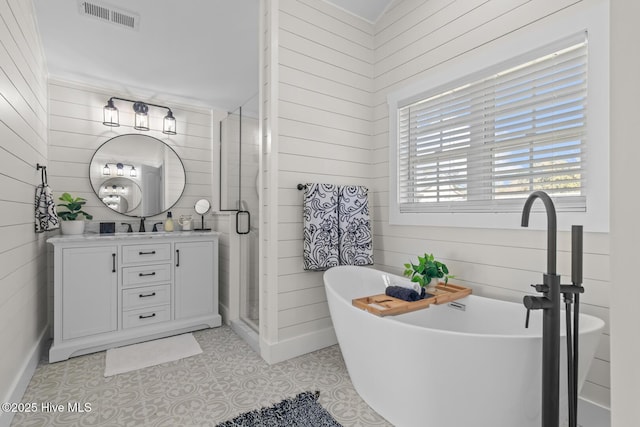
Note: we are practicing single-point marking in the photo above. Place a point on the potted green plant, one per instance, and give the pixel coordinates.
(426, 270)
(70, 223)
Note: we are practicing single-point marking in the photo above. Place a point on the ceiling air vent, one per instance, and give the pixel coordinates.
(108, 13)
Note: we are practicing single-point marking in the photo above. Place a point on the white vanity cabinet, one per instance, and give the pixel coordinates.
(113, 290)
(90, 294)
(146, 283)
(193, 271)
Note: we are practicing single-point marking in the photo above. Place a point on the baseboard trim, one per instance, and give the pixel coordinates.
(247, 334)
(297, 346)
(22, 379)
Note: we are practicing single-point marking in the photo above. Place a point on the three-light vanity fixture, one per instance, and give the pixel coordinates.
(106, 170)
(110, 114)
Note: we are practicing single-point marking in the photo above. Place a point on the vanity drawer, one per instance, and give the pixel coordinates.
(145, 274)
(146, 316)
(148, 296)
(146, 253)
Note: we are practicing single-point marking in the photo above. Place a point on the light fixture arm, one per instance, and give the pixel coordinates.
(139, 102)
(141, 120)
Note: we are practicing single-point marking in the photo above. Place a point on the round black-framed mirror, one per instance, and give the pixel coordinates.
(148, 175)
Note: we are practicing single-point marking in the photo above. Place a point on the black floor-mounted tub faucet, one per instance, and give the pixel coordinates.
(549, 302)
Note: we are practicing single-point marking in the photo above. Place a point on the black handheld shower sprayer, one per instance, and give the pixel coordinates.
(571, 295)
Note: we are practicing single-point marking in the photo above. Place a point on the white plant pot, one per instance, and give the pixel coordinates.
(72, 227)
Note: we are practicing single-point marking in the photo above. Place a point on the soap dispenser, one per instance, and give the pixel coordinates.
(168, 224)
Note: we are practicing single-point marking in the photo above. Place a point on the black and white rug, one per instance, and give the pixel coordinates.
(300, 411)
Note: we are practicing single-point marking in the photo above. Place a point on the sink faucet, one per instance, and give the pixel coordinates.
(141, 229)
(549, 302)
(155, 226)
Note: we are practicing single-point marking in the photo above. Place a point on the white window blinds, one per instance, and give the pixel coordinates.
(483, 145)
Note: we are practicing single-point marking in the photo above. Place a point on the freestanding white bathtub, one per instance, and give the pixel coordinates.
(442, 366)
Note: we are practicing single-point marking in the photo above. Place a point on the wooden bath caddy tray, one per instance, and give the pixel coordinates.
(384, 305)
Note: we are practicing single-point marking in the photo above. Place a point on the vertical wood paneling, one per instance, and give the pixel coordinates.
(411, 39)
(23, 144)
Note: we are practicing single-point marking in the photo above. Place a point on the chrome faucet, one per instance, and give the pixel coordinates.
(549, 302)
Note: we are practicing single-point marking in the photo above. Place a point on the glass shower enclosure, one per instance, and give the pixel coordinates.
(239, 195)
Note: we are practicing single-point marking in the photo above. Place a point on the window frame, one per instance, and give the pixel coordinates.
(540, 37)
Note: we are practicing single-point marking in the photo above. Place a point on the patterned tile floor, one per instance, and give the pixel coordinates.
(228, 378)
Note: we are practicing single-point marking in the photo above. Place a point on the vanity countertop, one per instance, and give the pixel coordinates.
(134, 235)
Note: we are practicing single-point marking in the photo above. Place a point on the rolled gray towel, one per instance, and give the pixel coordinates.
(404, 294)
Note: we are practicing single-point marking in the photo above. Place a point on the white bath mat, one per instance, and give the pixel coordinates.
(150, 353)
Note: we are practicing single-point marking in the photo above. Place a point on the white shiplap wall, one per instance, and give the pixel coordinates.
(76, 131)
(23, 144)
(412, 38)
(327, 121)
(317, 97)
(268, 126)
(625, 233)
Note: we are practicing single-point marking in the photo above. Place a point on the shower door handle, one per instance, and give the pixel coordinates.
(240, 214)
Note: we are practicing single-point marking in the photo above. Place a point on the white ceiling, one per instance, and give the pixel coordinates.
(204, 51)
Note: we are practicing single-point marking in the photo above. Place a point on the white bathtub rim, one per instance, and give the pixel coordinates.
(594, 324)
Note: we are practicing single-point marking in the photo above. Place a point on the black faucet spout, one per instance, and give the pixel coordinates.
(551, 225)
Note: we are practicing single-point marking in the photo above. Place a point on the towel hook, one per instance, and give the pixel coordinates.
(301, 186)
(43, 174)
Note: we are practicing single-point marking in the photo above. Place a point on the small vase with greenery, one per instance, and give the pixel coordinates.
(70, 223)
(426, 270)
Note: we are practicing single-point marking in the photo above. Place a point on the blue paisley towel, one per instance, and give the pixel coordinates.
(320, 217)
(45, 209)
(337, 228)
(356, 242)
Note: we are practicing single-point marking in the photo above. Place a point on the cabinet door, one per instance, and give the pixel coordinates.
(196, 284)
(89, 291)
